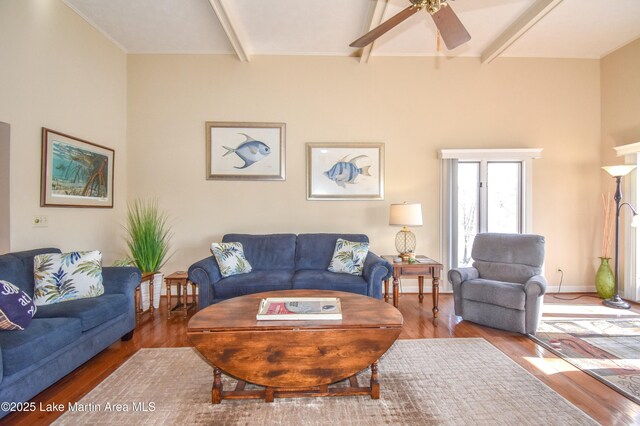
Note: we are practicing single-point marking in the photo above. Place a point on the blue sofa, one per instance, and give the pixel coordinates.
(285, 262)
(64, 335)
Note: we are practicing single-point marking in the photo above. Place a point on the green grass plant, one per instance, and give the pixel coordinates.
(148, 235)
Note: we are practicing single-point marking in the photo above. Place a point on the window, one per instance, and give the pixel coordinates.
(483, 191)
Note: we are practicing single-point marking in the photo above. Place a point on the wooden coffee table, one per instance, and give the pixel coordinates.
(294, 358)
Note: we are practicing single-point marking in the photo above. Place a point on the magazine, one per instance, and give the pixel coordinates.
(300, 308)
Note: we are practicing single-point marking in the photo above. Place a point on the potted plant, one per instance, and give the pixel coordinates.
(148, 235)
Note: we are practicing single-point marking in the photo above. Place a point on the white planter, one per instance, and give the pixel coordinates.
(157, 289)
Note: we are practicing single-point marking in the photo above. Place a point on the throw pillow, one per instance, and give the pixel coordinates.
(349, 257)
(230, 258)
(60, 277)
(16, 307)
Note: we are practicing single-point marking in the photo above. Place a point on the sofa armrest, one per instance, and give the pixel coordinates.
(205, 273)
(374, 271)
(120, 279)
(536, 286)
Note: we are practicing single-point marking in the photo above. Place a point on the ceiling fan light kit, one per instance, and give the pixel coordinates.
(448, 25)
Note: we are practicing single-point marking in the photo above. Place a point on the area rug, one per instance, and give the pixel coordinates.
(607, 349)
(423, 382)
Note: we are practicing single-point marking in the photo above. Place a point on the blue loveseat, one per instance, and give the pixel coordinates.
(64, 335)
(285, 262)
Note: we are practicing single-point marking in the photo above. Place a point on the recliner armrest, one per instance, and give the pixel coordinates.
(459, 275)
(536, 284)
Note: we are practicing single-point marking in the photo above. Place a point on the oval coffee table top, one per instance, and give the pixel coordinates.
(239, 313)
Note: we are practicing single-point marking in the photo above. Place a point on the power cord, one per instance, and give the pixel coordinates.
(560, 288)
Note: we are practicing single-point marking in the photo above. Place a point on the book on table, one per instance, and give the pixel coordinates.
(300, 308)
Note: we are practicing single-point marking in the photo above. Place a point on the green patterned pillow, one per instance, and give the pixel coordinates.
(349, 257)
(230, 258)
(67, 276)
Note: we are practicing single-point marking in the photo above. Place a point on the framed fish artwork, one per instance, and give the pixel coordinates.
(345, 171)
(75, 172)
(245, 151)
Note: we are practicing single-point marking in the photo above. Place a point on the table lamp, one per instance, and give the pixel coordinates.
(405, 214)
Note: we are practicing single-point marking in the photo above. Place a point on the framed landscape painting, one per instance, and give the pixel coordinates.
(245, 151)
(75, 172)
(345, 171)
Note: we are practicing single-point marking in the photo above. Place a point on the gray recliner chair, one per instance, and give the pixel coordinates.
(504, 288)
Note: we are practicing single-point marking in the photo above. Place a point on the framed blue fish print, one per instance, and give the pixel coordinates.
(245, 151)
(345, 171)
(75, 172)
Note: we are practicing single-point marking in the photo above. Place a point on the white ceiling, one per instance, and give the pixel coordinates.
(571, 29)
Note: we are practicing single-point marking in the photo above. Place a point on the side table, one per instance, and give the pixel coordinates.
(138, 297)
(423, 267)
(181, 280)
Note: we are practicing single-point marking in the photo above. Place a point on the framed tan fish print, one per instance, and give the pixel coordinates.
(245, 151)
(345, 171)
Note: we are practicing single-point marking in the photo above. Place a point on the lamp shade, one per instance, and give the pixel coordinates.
(621, 170)
(406, 214)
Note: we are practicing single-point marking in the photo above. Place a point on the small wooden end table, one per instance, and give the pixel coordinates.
(181, 280)
(423, 267)
(138, 299)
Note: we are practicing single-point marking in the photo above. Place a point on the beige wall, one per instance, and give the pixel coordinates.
(59, 72)
(5, 167)
(620, 112)
(416, 106)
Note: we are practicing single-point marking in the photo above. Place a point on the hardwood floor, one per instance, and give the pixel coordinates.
(599, 401)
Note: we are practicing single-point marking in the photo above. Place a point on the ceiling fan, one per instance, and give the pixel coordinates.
(451, 29)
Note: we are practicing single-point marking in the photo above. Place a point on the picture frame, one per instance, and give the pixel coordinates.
(75, 172)
(345, 171)
(245, 151)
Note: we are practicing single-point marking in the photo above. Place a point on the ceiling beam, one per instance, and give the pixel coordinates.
(230, 28)
(520, 26)
(376, 19)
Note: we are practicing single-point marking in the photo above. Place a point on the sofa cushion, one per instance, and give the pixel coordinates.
(314, 251)
(230, 258)
(325, 280)
(274, 252)
(348, 257)
(22, 348)
(16, 307)
(17, 268)
(91, 311)
(67, 276)
(509, 295)
(255, 282)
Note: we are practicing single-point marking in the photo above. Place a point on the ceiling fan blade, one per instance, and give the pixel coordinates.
(384, 27)
(451, 29)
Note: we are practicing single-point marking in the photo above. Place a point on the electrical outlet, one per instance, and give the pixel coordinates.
(558, 269)
(40, 221)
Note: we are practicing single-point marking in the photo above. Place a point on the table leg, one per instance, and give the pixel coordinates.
(168, 286)
(185, 305)
(216, 391)
(396, 284)
(436, 291)
(386, 291)
(375, 385)
(420, 288)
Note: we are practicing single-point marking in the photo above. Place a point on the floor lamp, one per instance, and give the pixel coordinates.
(618, 172)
